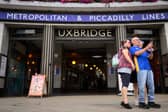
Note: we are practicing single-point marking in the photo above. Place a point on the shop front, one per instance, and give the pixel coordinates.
(74, 51)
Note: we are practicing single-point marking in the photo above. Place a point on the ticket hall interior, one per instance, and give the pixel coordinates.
(80, 57)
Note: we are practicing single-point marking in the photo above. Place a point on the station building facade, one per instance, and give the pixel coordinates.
(73, 43)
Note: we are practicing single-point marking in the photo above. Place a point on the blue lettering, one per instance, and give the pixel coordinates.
(157, 16)
(83, 18)
(9, 16)
(24, 16)
(104, 18)
(31, 17)
(91, 18)
(110, 18)
(115, 18)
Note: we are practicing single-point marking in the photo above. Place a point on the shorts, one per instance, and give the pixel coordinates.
(125, 78)
(133, 78)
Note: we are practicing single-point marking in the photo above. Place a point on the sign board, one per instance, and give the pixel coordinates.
(84, 34)
(38, 86)
(84, 18)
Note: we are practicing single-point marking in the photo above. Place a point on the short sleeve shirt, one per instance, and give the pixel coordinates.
(143, 61)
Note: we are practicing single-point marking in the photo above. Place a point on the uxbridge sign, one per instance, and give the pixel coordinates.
(84, 33)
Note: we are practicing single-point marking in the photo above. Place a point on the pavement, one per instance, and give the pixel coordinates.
(75, 103)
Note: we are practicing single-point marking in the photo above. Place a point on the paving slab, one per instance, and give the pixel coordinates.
(75, 103)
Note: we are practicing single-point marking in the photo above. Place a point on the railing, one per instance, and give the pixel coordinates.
(91, 1)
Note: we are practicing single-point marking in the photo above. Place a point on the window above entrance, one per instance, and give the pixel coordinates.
(26, 32)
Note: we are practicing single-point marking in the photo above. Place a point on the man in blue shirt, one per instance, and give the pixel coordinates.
(144, 73)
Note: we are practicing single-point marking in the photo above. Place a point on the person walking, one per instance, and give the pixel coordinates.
(125, 68)
(144, 73)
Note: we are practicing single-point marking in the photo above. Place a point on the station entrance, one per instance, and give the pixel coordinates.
(85, 67)
(84, 58)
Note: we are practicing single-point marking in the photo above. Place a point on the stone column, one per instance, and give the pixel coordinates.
(47, 56)
(164, 55)
(164, 39)
(4, 43)
(111, 74)
(4, 39)
(121, 34)
(111, 50)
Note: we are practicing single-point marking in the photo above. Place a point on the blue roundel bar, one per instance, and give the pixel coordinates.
(83, 18)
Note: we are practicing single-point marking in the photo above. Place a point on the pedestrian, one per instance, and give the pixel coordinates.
(144, 73)
(125, 68)
(134, 78)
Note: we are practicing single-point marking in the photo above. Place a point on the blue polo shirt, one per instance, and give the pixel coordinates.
(143, 61)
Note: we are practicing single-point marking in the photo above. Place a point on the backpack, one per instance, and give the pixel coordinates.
(115, 58)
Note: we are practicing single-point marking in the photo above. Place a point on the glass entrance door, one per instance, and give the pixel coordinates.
(24, 60)
(16, 75)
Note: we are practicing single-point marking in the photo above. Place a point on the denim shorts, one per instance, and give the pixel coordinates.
(125, 78)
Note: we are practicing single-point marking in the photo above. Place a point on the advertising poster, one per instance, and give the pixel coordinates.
(37, 86)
